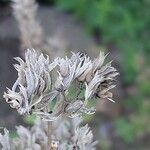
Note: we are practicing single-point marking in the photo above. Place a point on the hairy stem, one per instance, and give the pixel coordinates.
(49, 126)
(49, 134)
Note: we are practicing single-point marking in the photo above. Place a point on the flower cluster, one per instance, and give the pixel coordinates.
(36, 138)
(43, 87)
(27, 139)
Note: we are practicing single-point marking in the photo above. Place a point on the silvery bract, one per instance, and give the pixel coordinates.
(43, 87)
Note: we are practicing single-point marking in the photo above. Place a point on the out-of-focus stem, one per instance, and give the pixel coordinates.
(49, 134)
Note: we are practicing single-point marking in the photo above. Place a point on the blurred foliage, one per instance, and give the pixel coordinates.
(125, 130)
(137, 125)
(123, 23)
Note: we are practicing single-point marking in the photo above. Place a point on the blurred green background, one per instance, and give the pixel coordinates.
(122, 27)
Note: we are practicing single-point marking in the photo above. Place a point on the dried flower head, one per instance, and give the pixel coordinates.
(35, 91)
(32, 87)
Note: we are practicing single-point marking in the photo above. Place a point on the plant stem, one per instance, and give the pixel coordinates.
(49, 126)
(49, 134)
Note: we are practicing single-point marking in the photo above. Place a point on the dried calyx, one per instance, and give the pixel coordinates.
(35, 92)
